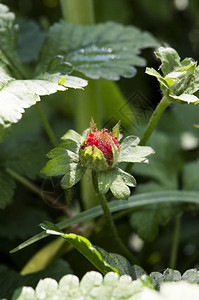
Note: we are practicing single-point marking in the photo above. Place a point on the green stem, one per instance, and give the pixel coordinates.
(154, 119)
(152, 124)
(78, 11)
(46, 125)
(87, 103)
(110, 223)
(38, 192)
(175, 244)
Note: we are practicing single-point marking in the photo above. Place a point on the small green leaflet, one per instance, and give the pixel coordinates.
(180, 79)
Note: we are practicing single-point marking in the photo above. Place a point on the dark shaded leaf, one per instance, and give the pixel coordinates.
(105, 50)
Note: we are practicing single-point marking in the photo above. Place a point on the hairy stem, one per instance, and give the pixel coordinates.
(110, 222)
(152, 124)
(38, 192)
(154, 119)
(87, 103)
(46, 125)
(175, 244)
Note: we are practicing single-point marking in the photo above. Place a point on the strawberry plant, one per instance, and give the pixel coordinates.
(98, 191)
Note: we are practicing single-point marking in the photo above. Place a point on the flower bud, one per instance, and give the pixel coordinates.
(96, 152)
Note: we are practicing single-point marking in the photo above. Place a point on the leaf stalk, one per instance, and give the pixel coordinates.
(46, 125)
(175, 243)
(154, 119)
(107, 214)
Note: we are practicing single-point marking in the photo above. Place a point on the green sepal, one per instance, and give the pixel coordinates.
(135, 154)
(93, 158)
(67, 146)
(73, 174)
(73, 135)
(117, 181)
(116, 153)
(93, 126)
(116, 131)
(58, 164)
(119, 189)
(129, 141)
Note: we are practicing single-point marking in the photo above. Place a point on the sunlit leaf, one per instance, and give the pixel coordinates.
(16, 95)
(84, 246)
(105, 50)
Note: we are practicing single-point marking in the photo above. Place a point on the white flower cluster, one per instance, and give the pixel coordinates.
(180, 290)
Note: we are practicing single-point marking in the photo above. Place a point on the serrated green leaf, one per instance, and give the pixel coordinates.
(84, 246)
(30, 39)
(72, 176)
(129, 141)
(25, 156)
(122, 264)
(50, 82)
(64, 162)
(187, 98)
(104, 181)
(16, 95)
(152, 72)
(105, 50)
(61, 163)
(134, 201)
(169, 58)
(92, 286)
(7, 185)
(147, 220)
